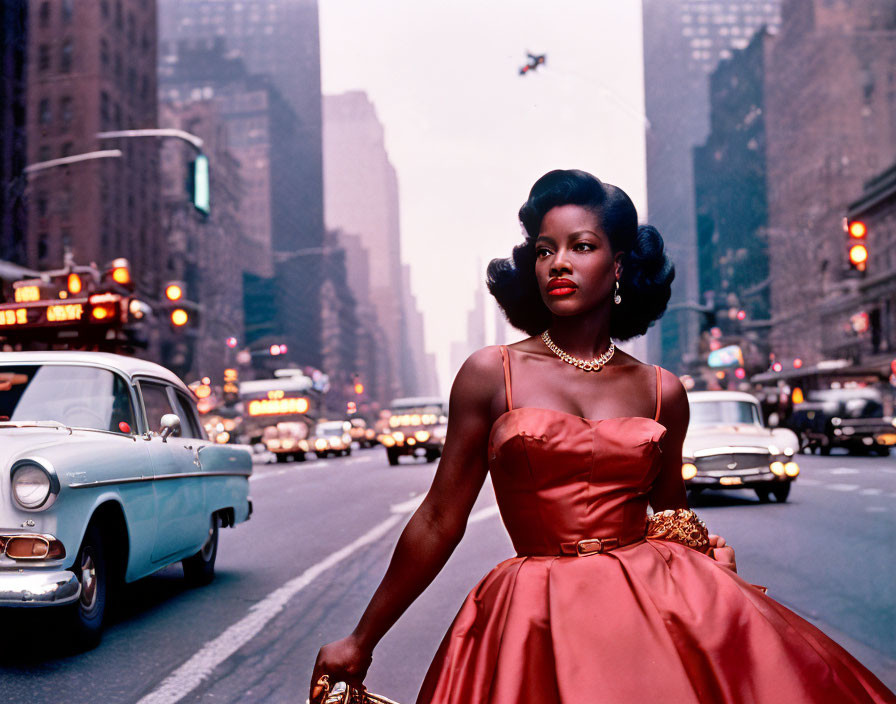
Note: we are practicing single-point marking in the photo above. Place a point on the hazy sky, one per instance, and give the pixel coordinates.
(468, 135)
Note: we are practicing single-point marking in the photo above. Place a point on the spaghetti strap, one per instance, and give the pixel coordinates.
(659, 393)
(505, 359)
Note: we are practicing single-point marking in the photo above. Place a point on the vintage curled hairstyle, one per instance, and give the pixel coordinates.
(646, 281)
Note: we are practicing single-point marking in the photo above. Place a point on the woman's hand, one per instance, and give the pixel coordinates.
(344, 661)
(722, 552)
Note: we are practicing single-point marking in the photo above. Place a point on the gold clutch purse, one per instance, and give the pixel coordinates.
(679, 525)
(341, 693)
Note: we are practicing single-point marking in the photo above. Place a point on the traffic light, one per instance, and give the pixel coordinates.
(198, 185)
(180, 310)
(858, 244)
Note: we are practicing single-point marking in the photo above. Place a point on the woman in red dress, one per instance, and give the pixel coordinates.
(580, 438)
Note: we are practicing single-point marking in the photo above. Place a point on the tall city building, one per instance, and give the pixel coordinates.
(206, 254)
(362, 198)
(831, 128)
(283, 270)
(92, 68)
(13, 74)
(731, 204)
(683, 42)
(278, 39)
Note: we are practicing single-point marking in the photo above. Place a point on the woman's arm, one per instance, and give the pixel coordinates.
(668, 490)
(437, 525)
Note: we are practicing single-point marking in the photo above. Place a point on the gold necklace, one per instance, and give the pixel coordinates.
(593, 365)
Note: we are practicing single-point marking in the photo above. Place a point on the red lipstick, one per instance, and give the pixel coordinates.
(561, 287)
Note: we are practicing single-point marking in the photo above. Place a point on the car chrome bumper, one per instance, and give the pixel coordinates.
(37, 588)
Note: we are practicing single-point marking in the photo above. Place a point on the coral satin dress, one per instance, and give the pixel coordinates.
(643, 620)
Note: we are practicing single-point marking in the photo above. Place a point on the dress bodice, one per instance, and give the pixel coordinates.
(560, 478)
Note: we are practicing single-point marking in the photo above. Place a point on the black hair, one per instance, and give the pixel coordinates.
(647, 273)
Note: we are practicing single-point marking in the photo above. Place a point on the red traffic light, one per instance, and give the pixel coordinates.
(276, 350)
(857, 229)
(231, 342)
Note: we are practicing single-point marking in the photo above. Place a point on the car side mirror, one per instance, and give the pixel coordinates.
(774, 420)
(170, 425)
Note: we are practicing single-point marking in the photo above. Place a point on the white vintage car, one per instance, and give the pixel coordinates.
(728, 446)
(106, 476)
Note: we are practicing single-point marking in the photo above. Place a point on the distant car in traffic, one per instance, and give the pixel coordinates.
(361, 433)
(417, 427)
(106, 476)
(331, 438)
(850, 418)
(287, 440)
(728, 446)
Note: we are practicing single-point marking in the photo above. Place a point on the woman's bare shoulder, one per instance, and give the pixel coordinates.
(480, 377)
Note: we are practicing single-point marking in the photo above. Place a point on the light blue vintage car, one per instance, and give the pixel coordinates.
(106, 476)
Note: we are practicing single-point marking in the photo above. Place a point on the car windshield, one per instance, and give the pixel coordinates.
(78, 396)
(330, 429)
(705, 413)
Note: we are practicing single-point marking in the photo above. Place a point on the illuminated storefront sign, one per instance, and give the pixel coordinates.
(278, 406)
(36, 315)
(27, 294)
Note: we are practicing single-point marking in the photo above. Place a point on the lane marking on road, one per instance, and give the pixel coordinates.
(408, 506)
(843, 470)
(805, 481)
(875, 509)
(888, 470)
(297, 469)
(483, 514)
(192, 673)
(842, 487)
(871, 492)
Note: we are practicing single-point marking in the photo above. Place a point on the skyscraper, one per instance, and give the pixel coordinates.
(279, 39)
(92, 68)
(13, 63)
(362, 199)
(683, 42)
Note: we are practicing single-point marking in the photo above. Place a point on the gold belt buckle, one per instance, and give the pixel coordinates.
(593, 546)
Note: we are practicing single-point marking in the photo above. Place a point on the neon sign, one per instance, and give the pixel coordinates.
(278, 406)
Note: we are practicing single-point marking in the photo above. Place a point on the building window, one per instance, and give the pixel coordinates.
(43, 154)
(104, 52)
(119, 17)
(104, 107)
(104, 7)
(66, 149)
(44, 112)
(68, 9)
(65, 112)
(43, 248)
(118, 67)
(43, 57)
(66, 240)
(42, 204)
(132, 28)
(65, 57)
(44, 14)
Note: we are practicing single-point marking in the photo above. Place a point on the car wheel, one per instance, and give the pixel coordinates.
(432, 455)
(199, 569)
(763, 495)
(825, 450)
(392, 455)
(781, 492)
(348, 452)
(87, 615)
(883, 451)
(282, 458)
(299, 457)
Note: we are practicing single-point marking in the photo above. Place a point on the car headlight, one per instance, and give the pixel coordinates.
(774, 450)
(422, 435)
(777, 468)
(398, 436)
(688, 470)
(33, 486)
(440, 431)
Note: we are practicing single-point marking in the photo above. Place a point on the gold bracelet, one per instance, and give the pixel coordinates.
(680, 525)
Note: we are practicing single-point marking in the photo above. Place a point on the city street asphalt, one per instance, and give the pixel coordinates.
(298, 574)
